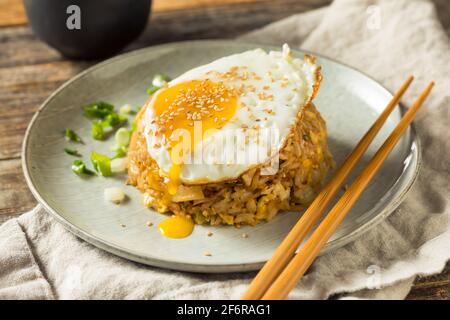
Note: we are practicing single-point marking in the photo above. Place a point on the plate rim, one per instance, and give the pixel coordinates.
(195, 267)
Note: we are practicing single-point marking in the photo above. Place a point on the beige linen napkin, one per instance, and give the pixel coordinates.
(386, 39)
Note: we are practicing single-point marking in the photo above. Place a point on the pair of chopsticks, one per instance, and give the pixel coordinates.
(285, 269)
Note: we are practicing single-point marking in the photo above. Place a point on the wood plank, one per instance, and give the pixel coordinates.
(22, 90)
(220, 22)
(164, 5)
(19, 47)
(15, 197)
(436, 287)
(12, 12)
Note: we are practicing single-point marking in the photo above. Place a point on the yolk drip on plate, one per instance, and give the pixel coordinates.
(184, 112)
(176, 227)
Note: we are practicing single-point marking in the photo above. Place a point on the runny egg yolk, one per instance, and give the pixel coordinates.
(184, 112)
(176, 227)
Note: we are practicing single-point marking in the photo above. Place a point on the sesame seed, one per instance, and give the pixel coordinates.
(196, 103)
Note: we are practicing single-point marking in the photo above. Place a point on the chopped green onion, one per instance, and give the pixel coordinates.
(72, 152)
(98, 110)
(108, 118)
(122, 119)
(114, 195)
(101, 163)
(126, 109)
(72, 136)
(118, 165)
(121, 151)
(152, 89)
(133, 125)
(123, 137)
(159, 81)
(79, 167)
(113, 119)
(97, 131)
(104, 111)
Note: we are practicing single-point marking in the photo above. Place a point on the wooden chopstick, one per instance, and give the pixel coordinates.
(289, 245)
(290, 276)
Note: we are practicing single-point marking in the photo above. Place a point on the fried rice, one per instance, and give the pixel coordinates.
(253, 197)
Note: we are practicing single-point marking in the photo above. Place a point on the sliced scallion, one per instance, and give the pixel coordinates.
(72, 136)
(79, 167)
(122, 137)
(121, 151)
(72, 152)
(98, 110)
(126, 109)
(159, 81)
(97, 131)
(101, 163)
(114, 120)
(118, 165)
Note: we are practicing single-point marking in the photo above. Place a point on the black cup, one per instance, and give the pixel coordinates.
(87, 29)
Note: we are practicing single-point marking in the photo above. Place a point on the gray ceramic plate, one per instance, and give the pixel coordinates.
(348, 100)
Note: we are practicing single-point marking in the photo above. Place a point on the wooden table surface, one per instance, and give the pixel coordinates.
(30, 71)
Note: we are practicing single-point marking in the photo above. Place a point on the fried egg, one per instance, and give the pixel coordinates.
(216, 121)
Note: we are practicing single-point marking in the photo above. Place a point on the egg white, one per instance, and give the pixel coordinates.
(290, 82)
